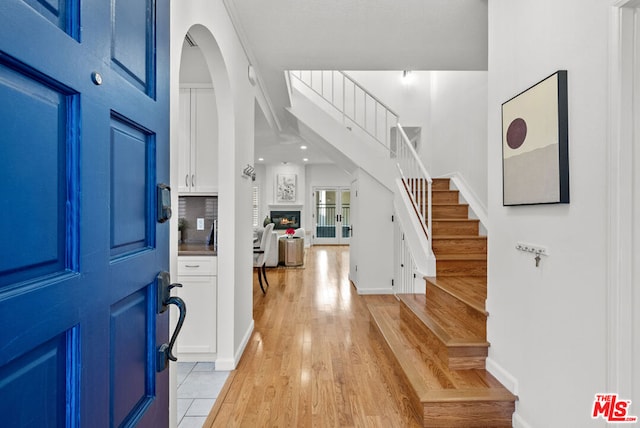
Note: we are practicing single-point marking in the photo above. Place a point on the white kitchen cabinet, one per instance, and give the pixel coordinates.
(198, 141)
(197, 339)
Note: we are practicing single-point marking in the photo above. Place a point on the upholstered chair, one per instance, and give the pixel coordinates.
(261, 253)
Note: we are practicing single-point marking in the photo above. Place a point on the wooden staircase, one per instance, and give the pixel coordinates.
(438, 341)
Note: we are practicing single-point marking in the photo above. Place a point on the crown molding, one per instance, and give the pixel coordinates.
(271, 115)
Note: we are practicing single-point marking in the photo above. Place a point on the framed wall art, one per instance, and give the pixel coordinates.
(535, 144)
(286, 188)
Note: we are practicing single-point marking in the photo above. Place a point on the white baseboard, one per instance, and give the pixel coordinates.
(505, 378)
(518, 422)
(196, 357)
(509, 382)
(228, 364)
(475, 204)
(374, 290)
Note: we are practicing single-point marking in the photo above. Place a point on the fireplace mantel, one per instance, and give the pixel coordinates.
(285, 207)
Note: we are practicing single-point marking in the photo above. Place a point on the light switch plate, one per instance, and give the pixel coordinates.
(200, 224)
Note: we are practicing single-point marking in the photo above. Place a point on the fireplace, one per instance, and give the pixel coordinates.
(285, 219)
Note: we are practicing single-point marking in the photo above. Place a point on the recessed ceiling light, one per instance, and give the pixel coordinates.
(303, 147)
(305, 159)
(260, 159)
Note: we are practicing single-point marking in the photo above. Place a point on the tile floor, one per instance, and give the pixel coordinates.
(198, 388)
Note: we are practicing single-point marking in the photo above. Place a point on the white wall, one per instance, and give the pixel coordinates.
(457, 132)
(450, 107)
(408, 98)
(547, 326)
(372, 240)
(209, 24)
(193, 67)
(266, 180)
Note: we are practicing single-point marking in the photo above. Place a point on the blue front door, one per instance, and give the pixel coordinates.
(83, 143)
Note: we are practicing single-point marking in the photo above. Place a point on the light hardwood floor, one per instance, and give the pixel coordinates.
(313, 359)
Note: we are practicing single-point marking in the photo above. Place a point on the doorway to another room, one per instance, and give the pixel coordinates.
(332, 216)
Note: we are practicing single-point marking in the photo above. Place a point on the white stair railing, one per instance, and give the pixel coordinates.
(416, 180)
(354, 105)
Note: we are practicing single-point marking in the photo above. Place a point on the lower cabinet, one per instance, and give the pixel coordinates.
(198, 276)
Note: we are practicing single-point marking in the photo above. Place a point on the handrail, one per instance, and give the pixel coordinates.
(415, 178)
(414, 175)
(346, 101)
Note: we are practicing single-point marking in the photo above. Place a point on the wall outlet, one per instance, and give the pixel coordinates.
(200, 224)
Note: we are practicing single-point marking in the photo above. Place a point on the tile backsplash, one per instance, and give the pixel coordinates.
(190, 208)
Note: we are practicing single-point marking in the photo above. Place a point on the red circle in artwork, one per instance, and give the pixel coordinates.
(516, 133)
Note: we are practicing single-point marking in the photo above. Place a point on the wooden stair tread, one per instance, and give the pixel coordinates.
(450, 332)
(471, 290)
(432, 381)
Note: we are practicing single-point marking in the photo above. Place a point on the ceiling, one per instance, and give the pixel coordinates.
(352, 35)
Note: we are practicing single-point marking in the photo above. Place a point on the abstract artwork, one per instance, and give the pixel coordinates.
(535, 144)
(286, 188)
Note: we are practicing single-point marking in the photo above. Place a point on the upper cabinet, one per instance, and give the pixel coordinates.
(198, 142)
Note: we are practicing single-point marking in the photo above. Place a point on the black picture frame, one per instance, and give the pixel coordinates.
(535, 144)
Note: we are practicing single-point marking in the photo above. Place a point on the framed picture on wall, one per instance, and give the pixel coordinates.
(535, 144)
(286, 188)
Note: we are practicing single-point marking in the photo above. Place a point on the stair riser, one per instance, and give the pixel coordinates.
(464, 314)
(440, 184)
(445, 197)
(461, 267)
(455, 357)
(449, 211)
(430, 340)
(459, 245)
(469, 414)
(462, 227)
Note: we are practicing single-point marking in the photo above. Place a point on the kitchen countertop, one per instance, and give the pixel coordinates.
(196, 250)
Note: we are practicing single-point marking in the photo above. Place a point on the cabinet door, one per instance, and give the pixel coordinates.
(184, 141)
(205, 141)
(198, 335)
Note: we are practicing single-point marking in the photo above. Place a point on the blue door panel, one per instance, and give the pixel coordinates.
(131, 354)
(132, 42)
(64, 14)
(79, 162)
(132, 180)
(52, 366)
(40, 239)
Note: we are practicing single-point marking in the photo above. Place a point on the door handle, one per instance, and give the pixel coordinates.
(165, 351)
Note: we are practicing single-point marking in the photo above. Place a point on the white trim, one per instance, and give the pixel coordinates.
(363, 291)
(620, 191)
(518, 422)
(228, 364)
(422, 253)
(478, 208)
(272, 117)
(503, 376)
